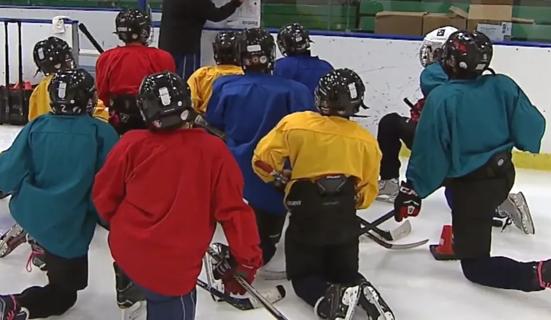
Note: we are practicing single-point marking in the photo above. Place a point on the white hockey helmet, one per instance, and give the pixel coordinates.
(433, 43)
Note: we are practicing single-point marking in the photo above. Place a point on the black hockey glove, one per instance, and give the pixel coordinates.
(407, 203)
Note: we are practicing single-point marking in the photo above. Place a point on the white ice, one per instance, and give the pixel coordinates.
(416, 286)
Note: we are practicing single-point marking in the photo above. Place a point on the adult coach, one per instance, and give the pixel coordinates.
(181, 26)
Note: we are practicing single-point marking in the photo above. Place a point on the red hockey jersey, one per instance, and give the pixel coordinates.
(162, 195)
(121, 70)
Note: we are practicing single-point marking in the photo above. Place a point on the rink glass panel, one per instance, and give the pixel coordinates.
(345, 15)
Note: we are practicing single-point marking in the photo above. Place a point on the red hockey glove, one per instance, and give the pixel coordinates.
(226, 270)
(415, 111)
(407, 203)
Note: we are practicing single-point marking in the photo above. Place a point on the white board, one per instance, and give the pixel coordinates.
(246, 16)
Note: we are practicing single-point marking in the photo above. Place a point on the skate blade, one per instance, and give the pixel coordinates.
(272, 275)
(135, 312)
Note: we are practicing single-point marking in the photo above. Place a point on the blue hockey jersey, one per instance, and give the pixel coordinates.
(50, 169)
(432, 76)
(246, 108)
(302, 68)
(466, 122)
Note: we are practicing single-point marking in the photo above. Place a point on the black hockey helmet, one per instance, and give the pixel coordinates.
(72, 92)
(133, 25)
(293, 39)
(340, 93)
(52, 55)
(256, 49)
(467, 55)
(164, 101)
(224, 47)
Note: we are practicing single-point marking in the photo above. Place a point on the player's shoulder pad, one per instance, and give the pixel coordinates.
(296, 120)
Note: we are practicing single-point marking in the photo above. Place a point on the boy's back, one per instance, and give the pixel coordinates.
(119, 71)
(175, 184)
(466, 122)
(58, 157)
(246, 108)
(302, 68)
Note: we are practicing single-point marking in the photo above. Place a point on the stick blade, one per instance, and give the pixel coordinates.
(402, 231)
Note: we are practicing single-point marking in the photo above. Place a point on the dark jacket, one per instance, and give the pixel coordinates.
(183, 21)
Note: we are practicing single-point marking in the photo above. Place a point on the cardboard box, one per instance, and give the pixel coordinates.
(496, 32)
(455, 18)
(399, 23)
(488, 14)
(493, 2)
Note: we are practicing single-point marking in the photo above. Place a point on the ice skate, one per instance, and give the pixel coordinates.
(12, 239)
(338, 303)
(388, 190)
(128, 293)
(516, 209)
(372, 302)
(10, 310)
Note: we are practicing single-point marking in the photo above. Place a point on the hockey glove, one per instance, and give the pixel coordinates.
(407, 202)
(227, 270)
(281, 179)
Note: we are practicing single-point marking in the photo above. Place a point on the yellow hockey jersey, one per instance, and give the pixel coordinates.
(39, 102)
(200, 83)
(317, 145)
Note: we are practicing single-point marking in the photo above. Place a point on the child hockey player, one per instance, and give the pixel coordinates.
(120, 71)
(227, 63)
(50, 56)
(198, 183)
(298, 64)
(261, 99)
(464, 141)
(394, 128)
(321, 242)
(52, 202)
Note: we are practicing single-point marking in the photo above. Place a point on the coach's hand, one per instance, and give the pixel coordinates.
(407, 203)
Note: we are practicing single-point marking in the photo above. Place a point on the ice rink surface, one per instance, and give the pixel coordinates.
(416, 286)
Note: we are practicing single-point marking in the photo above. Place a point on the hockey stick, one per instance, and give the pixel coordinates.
(402, 231)
(238, 303)
(251, 290)
(267, 304)
(367, 225)
(409, 103)
(90, 37)
(201, 122)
